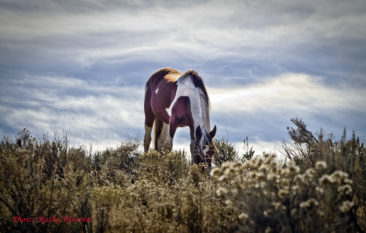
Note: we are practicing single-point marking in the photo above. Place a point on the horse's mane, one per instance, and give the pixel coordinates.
(198, 82)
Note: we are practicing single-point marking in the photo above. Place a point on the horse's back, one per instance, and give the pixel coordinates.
(160, 92)
(165, 75)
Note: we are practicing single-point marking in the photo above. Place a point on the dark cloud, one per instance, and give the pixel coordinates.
(89, 5)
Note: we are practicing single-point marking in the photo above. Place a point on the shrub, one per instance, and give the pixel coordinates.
(267, 196)
(346, 155)
(38, 180)
(225, 152)
(321, 188)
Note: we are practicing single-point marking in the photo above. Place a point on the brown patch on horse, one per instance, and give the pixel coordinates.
(149, 114)
(181, 114)
(169, 74)
(198, 82)
(161, 88)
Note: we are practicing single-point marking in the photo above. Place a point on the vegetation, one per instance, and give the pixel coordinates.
(321, 187)
(226, 152)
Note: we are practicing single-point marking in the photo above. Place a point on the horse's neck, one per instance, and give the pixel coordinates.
(199, 106)
(200, 111)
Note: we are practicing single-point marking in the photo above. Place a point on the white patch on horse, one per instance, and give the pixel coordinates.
(205, 150)
(185, 87)
(157, 90)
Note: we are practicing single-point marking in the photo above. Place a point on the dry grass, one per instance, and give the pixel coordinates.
(321, 188)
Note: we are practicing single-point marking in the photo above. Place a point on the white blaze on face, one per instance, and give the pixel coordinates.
(205, 149)
(157, 90)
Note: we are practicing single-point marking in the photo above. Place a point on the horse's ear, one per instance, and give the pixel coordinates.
(198, 133)
(213, 132)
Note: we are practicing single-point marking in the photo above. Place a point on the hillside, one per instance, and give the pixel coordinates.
(47, 186)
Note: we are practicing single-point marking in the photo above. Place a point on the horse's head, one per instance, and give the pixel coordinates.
(204, 146)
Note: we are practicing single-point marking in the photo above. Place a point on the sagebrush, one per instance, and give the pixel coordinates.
(319, 188)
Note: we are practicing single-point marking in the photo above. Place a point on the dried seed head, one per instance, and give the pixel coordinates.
(345, 189)
(285, 171)
(263, 168)
(234, 191)
(294, 169)
(267, 213)
(295, 188)
(309, 174)
(271, 176)
(243, 216)
(348, 181)
(339, 176)
(325, 179)
(227, 165)
(299, 179)
(215, 172)
(319, 190)
(309, 203)
(282, 193)
(346, 206)
(228, 202)
(278, 206)
(221, 191)
(320, 165)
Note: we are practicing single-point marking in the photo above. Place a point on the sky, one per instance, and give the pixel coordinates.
(79, 67)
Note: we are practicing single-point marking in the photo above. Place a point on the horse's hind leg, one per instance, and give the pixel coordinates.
(149, 120)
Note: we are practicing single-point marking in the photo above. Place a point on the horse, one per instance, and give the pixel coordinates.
(173, 100)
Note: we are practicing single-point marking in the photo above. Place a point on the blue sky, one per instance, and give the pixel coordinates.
(80, 66)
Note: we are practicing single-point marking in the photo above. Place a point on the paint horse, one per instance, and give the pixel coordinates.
(172, 100)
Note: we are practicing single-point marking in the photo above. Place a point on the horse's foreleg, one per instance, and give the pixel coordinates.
(168, 146)
(171, 131)
(169, 142)
(162, 138)
(192, 152)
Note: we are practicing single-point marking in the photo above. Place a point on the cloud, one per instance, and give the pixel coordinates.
(81, 66)
(102, 114)
(291, 92)
(103, 31)
(88, 112)
(260, 147)
(262, 110)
